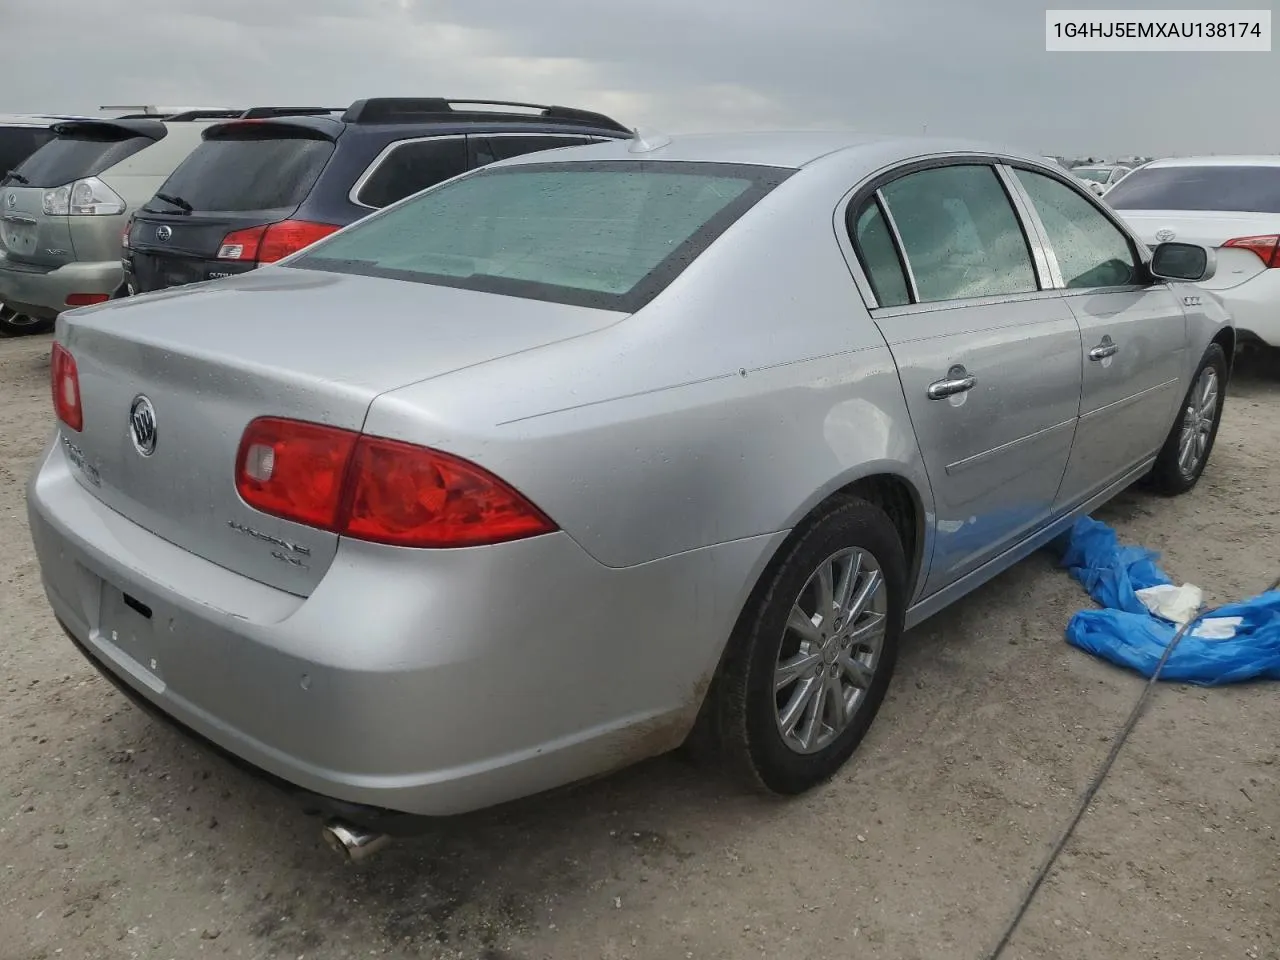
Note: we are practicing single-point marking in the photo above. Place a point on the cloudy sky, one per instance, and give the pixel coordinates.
(970, 67)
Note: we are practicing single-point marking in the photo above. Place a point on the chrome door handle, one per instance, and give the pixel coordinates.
(18, 218)
(1103, 350)
(957, 380)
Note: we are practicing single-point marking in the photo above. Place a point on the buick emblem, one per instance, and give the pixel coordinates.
(164, 233)
(1165, 235)
(11, 201)
(142, 426)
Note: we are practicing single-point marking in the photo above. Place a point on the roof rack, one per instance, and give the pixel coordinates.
(417, 109)
(265, 113)
(188, 115)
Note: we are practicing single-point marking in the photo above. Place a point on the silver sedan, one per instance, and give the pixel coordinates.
(580, 456)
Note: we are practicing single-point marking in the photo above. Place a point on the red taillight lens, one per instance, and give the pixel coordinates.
(272, 242)
(241, 244)
(1267, 248)
(385, 491)
(294, 470)
(65, 380)
(86, 299)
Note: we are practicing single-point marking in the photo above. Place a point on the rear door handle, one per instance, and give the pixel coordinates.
(957, 380)
(18, 218)
(1105, 349)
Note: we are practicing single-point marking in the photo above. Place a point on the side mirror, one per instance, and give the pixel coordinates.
(1187, 262)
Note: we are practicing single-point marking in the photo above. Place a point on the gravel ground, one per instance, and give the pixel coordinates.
(118, 839)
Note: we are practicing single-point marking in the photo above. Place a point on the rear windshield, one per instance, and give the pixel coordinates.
(65, 159)
(241, 175)
(18, 143)
(1236, 189)
(599, 234)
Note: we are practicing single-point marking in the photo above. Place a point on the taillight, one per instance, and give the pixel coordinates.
(275, 241)
(65, 380)
(124, 237)
(1267, 248)
(86, 299)
(370, 488)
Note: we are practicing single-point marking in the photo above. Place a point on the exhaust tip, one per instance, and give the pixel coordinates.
(351, 842)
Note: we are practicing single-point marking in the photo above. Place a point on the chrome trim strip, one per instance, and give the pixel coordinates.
(897, 239)
(1125, 401)
(961, 465)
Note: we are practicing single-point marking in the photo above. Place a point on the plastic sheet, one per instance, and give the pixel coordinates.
(1219, 649)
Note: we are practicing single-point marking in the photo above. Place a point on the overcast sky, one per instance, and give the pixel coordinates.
(970, 67)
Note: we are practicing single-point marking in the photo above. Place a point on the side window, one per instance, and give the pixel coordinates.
(492, 149)
(414, 166)
(879, 256)
(960, 233)
(1091, 250)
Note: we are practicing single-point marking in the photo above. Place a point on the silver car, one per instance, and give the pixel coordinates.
(64, 209)
(638, 439)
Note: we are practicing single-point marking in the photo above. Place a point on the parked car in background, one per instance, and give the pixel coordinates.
(1228, 203)
(1100, 178)
(262, 187)
(320, 550)
(63, 208)
(20, 136)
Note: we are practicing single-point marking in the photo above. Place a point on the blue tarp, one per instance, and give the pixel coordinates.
(1127, 634)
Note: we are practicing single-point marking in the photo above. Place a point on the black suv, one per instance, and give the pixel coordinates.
(274, 180)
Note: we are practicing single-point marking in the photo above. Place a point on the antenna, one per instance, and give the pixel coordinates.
(647, 141)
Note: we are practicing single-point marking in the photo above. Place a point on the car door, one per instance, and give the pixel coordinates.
(988, 359)
(1133, 336)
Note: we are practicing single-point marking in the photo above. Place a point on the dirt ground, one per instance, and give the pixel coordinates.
(118, 839)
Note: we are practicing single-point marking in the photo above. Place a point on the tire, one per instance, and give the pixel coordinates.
(744, 717)
(1172, 473)
(14, 324)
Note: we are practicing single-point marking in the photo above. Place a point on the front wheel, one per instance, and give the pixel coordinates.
(14, 324)
(813, 651)
(1186, 450)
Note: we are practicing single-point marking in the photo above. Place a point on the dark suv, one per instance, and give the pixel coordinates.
(267, 184)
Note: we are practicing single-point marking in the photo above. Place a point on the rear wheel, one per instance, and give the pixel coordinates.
(1186, 450)
(811, 657)
(14, 324)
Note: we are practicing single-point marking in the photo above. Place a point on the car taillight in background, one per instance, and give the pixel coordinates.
(1267, 248)
(371, 488)
(86, 299)
(89, 197)
(124, 237)
(65, 380)
(272, 242)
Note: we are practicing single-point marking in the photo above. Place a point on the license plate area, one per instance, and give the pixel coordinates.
(18, 238)
(127, 625)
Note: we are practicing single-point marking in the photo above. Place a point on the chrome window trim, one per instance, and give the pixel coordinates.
(1051, 278)
(885, 212)
(354, 193)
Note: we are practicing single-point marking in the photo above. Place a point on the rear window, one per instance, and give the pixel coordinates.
(18, 143)
(242, 175)
(66, 159)
(601, 234)
(1237, 189)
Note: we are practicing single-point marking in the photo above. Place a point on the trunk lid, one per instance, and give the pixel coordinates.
(280, 342)
(1209, 228)
(31, 238)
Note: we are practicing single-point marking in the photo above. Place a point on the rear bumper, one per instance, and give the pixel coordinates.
(420, 682)
(1255, 306)
(44, 294)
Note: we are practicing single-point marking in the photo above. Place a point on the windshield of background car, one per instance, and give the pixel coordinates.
(246, 174)
(1237, 189)
(67, 159)
(1089, 173)
(607, 234)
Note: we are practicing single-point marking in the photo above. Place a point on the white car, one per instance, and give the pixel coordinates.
(1229, 204)
(1100, 178)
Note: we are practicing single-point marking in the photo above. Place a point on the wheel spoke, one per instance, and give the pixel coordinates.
(1185, 453)
(1209, 393)
(795, 708)
(802, 623)
(813, 715)
(869, 587)
(848, 584)
(795, 668)
(826, 595)
(859, 673)
(870, 629)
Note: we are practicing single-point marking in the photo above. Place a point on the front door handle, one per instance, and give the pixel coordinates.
(957, 380)
(1105, 349)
